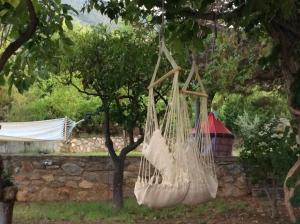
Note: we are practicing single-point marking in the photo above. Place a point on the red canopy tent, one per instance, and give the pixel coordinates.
(222, 139)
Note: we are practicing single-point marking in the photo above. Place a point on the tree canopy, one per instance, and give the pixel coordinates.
(30, 32)
(114, 66)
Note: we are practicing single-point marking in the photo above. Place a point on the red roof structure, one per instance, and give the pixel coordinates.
(215, 126)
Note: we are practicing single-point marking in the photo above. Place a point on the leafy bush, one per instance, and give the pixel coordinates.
(269, 151)
(263, 104)
(232, 107)
(50, 99)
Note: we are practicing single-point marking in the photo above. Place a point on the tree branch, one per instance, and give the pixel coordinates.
(82, 91)
(130, 147)
(70, 82)
(108, 142)
(161, 97)
(23, 38)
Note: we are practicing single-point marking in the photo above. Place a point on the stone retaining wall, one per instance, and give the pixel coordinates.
(88, 144)
(91, 144)
(54, 178)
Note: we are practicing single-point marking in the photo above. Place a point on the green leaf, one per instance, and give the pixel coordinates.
(295, 200)
(14, 3)
(3, 12)
(69, 24)
(2, 80)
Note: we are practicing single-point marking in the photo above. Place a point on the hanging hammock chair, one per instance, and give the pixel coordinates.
(161, 181)
(198, 157)
(176, 167)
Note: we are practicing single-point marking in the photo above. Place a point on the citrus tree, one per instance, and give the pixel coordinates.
(114, 66)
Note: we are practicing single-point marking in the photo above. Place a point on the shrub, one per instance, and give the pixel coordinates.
(269, 150)
(51, 99)
(263, 104)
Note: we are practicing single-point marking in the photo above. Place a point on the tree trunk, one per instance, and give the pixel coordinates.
(6, 212)
(118, 184)
(117, 162)
(7, 204)
(131, 137)
(289, 192)
(290, 69)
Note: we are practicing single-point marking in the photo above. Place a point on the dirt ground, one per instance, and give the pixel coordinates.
(254, 211)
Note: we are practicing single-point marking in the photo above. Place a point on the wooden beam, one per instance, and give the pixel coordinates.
(194, 93)
(167, 75)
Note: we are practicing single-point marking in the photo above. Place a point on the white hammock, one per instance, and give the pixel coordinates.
(199, 161)
(46, 130)
(173, 170)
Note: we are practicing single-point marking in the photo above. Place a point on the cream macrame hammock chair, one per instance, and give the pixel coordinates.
(176, 167)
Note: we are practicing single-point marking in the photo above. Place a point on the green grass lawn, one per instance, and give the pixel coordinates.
(103, 211)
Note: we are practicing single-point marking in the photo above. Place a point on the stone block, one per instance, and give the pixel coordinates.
(74, 178)
(48, 178)
(56, 184)
(85, 184)
(93, 176)
(23, 196)
(20, 178)
(52, 167)
(96, 166)
(35, 176)
(81, 196)
(62, 179)
(71, 184)
(33, 188)
(26, 166)
(48, 194)
(63, 193)
(37, 182)
(37, 165)
(72, 169)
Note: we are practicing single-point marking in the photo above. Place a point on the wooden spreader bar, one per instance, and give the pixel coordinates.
(194, 93)
(167, 75)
